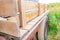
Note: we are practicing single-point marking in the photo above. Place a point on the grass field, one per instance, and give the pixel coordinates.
(54, 24)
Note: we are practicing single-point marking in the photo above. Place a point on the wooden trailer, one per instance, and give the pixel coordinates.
(22, 20)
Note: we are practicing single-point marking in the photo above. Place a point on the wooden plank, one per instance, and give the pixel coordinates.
(8, 8)
(14, 19)
(32, 30)
(28, 11)
(23, 33)
(10, 28)
(41, 8)
(46, 7)
(31, 24)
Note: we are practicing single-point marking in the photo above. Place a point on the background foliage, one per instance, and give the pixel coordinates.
(54, 20)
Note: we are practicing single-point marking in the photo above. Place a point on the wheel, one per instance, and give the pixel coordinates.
(42, 33)
(45, 34)
(46, 29)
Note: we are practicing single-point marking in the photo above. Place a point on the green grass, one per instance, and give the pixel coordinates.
(52, 26)
(54, 22)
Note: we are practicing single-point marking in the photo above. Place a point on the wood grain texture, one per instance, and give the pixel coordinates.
(10, 28)
(41, 7)
(8, 8)
(28, 11)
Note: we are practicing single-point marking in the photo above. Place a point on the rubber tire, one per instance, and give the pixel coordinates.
(45, 32)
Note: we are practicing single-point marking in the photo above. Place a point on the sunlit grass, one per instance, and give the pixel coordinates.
(54, 23)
